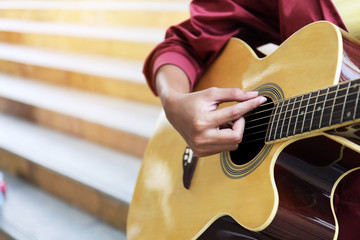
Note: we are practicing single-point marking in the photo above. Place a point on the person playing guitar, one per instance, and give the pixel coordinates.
(175, 66)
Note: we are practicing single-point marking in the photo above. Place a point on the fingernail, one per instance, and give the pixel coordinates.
(262, 100)
(252, 93)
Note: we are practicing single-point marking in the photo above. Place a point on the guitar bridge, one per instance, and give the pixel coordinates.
(189, 165)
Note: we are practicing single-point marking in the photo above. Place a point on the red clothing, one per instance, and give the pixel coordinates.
(195, 43)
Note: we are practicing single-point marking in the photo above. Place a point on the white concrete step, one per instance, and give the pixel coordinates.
(115, 33)
(132, 117)
(119, 69)
(30, 213)
(134, 122)
(129, 42)
(151, 5)
(129, 13)
(94, 178)
(107, 75)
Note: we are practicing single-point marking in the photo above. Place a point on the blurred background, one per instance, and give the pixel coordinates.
(75, 112)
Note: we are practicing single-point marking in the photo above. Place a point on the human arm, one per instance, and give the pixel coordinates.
(174, 67)
(195, 115)
(195, 43)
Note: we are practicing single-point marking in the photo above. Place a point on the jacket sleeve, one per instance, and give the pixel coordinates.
(195, 43)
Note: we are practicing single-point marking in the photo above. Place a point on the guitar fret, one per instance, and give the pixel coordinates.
(325, 110)
(340, 104)
(273, 117)
(319, 109)
(345, 101)
(305, 113)
(333, 105)
(285, 116)
(293, 118)
(351, 102)
(279, 120)
(356, 101)
(314, 110)
(297, 115)
(291, 113)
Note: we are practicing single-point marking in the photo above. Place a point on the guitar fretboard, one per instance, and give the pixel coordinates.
(315, 110)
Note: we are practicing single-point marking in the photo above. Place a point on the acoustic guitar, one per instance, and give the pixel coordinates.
(297, 147)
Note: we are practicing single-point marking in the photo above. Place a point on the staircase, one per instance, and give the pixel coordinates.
(75, 112)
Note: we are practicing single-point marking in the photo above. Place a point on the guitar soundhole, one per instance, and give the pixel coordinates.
(256, 124)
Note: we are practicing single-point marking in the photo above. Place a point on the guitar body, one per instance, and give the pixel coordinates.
(285, 189)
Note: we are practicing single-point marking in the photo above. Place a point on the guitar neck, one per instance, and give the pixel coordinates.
(325, 108)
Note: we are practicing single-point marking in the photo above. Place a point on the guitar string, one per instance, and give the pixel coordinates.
(294, 109)
(288, 99)
(286, 118)
(350, 85)
(293, 103)
(264, 131)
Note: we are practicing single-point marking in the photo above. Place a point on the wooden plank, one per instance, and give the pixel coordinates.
(115, 123)
(84, 174)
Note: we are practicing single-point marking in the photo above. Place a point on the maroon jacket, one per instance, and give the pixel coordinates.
(195, 43)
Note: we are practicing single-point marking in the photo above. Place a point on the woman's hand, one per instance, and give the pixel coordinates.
(196, 115)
